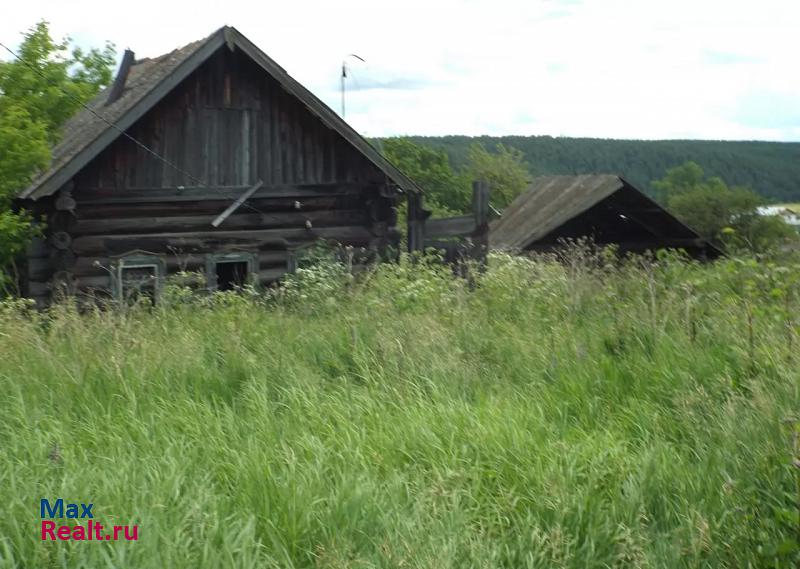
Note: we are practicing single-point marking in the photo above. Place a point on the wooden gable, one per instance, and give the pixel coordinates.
(228, 124)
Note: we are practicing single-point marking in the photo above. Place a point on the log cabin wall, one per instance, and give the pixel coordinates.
(226, 127)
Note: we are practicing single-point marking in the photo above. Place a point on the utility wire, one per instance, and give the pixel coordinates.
(108, 122)
(118, 129)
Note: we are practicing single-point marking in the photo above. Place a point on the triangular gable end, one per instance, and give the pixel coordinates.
(88, 134)
(554, 207)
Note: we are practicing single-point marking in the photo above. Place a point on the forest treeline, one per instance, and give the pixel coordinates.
(770, 168)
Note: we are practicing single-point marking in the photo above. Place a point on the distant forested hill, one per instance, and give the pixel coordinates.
(770, 168)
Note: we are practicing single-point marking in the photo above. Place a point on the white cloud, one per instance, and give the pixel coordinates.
(609, 68)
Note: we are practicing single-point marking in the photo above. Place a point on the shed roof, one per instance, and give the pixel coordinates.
(95, 127)
(552, 201)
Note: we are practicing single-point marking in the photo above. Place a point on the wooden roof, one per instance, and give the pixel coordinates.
(552, 201)
(149, 80)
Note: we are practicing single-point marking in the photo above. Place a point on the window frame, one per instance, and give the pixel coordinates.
(213, 259)
(138, 261)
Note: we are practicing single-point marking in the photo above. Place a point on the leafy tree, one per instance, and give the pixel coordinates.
(446, 193)
(718, 212)
(682, 179)
(23, 148)
(38, 93)
(449, 192)
(763, 232)
(52, 80)
(505, 170)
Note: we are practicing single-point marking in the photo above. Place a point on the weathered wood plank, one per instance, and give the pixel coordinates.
(271, 275)
(136, 112)
(236, 205)
(241, 220)
(153, 195)
(480, 203)
(450, 227)
(262, 133)
(45, 289)
(203, 241)
(264, 155)
(212, 207)
(214, 136)
(416, 223)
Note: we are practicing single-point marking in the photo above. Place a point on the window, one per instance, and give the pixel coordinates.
(137, 277)
(231, 274)
(230, 271)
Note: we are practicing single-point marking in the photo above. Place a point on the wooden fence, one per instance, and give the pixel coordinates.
(464, 237)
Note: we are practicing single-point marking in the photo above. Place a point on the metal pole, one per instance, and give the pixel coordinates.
(344, 74)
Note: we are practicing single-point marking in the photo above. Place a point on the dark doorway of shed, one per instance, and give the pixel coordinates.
(231, 275)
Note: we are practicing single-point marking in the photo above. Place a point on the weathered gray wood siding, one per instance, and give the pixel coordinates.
(228, 126)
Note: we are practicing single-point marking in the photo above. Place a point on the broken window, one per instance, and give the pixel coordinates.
(231, 275)
(230, 271)
(138, 277)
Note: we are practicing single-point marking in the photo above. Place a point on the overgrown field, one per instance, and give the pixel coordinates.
(579, 414)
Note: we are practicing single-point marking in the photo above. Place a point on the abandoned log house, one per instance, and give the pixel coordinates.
(210, 158)
(605, 208)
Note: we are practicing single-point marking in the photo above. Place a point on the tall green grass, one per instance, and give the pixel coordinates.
(581, 413)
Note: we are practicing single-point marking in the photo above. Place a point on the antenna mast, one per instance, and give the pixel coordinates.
(344, 74)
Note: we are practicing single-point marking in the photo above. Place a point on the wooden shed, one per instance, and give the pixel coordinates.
(605, 208)
(210, 158)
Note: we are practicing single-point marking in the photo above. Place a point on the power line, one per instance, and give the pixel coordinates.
(121, 131)
(108, 122)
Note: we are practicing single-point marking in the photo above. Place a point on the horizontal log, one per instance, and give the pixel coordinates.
(236, 204)
(271, 275)
(450, 226)
(135, 225)
(93, 281)
(213, 207)
(49, 287)
(153, 195)
(219, 241)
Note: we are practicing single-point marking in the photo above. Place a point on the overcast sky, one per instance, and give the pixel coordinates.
(704, 69)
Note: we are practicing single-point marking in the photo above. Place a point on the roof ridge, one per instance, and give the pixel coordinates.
(90, 131)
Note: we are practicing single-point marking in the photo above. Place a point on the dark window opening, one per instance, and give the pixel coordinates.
(231, 274)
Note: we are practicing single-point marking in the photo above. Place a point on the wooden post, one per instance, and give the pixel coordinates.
(416, 223)
(291, 260)
(480, 211)
(480, 203)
